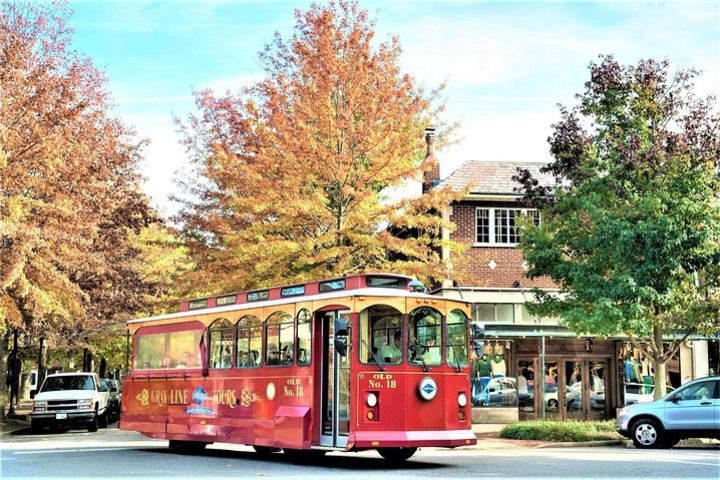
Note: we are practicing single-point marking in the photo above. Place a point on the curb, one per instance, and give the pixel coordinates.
(595, 443)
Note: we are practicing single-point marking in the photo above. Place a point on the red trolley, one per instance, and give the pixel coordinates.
(354, 363)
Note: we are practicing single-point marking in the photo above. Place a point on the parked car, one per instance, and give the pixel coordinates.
(692, 410)
(114, 400)
(501, 392)
(640, 393)
(69, 400)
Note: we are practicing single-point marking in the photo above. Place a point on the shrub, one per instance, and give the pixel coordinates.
(568, 431)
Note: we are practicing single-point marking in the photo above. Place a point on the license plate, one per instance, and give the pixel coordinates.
(60, 416)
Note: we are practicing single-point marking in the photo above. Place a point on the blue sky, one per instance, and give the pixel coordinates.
(507, 64)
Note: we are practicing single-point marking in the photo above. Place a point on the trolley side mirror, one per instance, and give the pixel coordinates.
(341, 336)
(478, 338)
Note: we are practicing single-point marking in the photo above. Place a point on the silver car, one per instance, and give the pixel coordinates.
(692, 410)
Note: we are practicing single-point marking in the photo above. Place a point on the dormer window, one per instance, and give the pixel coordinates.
(498, 226)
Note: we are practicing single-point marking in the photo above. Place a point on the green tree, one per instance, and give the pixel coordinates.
(631, 230)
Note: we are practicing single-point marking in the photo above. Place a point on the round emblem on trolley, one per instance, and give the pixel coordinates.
(427, 388)
(270, 391)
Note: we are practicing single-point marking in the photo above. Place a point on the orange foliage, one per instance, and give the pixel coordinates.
(68, 186)
(294, 172)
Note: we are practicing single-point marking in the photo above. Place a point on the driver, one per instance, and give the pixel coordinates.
(392, 353)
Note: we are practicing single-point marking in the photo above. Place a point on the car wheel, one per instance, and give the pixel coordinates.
(103, 420)
(36, 427)
(396, 455)
(645, 433)
(93, 425)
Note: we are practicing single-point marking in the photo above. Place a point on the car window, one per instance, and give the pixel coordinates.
(79, 382)
(698, 391)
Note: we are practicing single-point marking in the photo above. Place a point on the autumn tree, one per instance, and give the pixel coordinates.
(631, 230)
(293, 173)
(69, 195)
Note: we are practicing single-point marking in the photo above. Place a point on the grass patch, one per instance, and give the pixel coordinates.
(561, 431)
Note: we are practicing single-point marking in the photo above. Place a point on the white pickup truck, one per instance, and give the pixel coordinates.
(70, 400)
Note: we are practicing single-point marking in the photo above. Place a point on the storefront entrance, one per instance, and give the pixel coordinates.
(573, 384)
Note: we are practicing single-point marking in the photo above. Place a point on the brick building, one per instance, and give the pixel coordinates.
(583, 377)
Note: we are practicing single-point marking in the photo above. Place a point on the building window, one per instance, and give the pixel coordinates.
(498, 226)
(494, 312)
(482, 225)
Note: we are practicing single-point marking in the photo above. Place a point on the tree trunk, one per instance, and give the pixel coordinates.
(4, 354)
(42, 364)
(659, 363)
(71, 360)
(660, 378)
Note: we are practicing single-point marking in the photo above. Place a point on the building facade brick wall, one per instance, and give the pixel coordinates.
(488, 266)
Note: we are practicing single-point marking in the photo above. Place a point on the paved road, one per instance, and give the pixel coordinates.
(114, 454)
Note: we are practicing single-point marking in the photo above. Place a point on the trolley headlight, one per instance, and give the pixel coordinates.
(371, 400)
(462, 399)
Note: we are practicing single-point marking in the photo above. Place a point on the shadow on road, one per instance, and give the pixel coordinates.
(344, 462)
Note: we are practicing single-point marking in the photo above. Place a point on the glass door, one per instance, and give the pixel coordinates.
(573, 389)
(598, 382)
(335, 328)
(526, 388)
(551, 395)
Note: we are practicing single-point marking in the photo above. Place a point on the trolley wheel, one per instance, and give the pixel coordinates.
(187, 446)
(263, 450)
(396, 454)
(303, 456)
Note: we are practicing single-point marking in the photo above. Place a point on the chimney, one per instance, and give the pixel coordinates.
(431, 177)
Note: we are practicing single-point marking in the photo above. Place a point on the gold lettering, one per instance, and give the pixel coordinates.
(374, 384)
(392, 383)
(288, 391)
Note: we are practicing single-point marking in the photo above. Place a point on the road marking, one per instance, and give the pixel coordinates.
(107, 449)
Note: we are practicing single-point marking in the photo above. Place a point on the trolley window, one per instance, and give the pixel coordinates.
(258, 296)
(221, 344)
(381, 331)
(161, 347)
(304, 337)
(331, 285)
(249, 342)
(457, 331)
(279, 336)
(425, 344)
(387, 282)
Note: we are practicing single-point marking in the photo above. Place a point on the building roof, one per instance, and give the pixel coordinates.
(486, 177)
